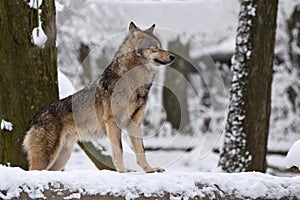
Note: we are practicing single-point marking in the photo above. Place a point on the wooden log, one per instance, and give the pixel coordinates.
(16, 183)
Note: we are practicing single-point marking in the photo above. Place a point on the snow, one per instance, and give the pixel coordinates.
(131, 185)
(293, 156)
(5, 125)
(275, 160)
(79, 161)
(65, 87)
(35, 3)
(38, 36)
(284, 119)
(58, 6)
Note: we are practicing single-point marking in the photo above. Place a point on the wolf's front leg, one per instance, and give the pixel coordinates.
(135, 134)
(138, 147)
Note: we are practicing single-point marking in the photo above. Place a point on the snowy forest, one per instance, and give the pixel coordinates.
(222, 121)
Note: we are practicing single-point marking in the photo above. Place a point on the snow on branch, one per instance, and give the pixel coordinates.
(17, 183)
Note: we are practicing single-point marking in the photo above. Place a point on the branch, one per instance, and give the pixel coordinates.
(97, 157)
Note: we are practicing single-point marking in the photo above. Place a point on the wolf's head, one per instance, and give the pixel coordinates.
(147, 46)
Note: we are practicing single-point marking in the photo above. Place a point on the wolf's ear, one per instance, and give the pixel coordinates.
(151, 29)
(132, 26)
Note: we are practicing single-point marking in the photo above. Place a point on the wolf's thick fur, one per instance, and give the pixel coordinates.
(115, 101)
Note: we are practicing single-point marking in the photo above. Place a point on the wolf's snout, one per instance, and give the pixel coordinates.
(172, 57)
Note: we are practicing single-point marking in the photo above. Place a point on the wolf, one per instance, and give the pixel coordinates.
(113, 103)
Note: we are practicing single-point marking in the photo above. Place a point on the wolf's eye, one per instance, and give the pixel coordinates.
(154, 48)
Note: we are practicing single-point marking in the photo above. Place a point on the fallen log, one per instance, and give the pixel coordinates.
(16, 183)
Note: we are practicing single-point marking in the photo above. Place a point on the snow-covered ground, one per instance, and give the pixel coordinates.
(178, 160)
(169, 160)
(131, 185)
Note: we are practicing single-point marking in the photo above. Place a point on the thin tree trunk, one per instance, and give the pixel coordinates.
(28, 74)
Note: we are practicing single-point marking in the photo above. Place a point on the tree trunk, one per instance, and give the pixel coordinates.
(175, 91)
(247, 128)
(28, 78)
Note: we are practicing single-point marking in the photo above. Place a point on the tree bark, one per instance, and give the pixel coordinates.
(28, 78)
(247, 126)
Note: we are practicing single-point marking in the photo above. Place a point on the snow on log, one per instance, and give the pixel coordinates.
(293, 156)
(17, 183)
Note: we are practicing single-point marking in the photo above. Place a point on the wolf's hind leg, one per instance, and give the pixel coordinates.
(114, 134)
(42, 148)
(63, 156)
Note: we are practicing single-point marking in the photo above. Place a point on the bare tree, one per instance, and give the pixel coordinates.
(247, 128)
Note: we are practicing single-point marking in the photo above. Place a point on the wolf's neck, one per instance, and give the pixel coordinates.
(127, 59)
(125, 48)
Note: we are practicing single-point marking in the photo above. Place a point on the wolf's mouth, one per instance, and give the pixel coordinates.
(161, 62)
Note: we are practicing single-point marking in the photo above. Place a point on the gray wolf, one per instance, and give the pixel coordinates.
(114, 102)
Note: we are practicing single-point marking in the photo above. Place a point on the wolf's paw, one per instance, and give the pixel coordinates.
(154, 169)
